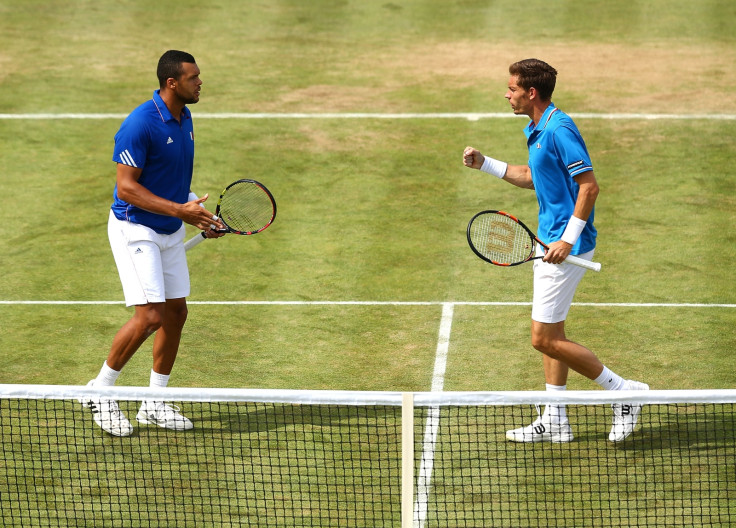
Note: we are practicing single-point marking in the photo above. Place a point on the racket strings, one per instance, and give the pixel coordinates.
(246, 207)
(500, 239)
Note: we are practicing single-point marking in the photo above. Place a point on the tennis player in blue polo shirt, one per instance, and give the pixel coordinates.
(154, 153)
(560, 172)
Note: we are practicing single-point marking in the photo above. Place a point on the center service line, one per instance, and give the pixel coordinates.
(433, 419)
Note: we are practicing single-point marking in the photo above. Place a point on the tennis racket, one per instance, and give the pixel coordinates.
(504, 240)
(246, 207)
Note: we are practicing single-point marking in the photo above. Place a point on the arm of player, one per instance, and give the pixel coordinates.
(134, 193)
(518, 175)
(587, 195)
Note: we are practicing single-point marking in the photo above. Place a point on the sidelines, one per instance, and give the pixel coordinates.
(470, 116)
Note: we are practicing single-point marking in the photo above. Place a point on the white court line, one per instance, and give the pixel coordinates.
(383, 303)
(424, 479)
(469, 116)
(443, 345)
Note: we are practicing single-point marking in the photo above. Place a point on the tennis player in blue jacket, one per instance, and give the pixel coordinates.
(152, 199)
(560, 172)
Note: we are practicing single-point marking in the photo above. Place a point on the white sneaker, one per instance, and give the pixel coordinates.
(625, 414)
(539, 431)
(107, 415)
(166, 416)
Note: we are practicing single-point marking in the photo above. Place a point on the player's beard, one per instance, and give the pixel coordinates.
(188, 99)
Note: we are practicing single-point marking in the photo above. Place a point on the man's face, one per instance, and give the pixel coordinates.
(518, 97)
(188, 84)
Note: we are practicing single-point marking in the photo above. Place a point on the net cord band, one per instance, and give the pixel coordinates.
(421, 399)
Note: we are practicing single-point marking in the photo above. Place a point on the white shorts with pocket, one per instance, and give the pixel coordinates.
(554, 288)
(152, 266)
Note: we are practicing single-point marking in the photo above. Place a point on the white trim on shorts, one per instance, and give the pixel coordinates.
(554, 288)
(152, 267)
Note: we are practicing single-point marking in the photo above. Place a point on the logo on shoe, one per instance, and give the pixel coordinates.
(539, 428)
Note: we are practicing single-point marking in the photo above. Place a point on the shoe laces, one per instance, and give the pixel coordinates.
(163, 407)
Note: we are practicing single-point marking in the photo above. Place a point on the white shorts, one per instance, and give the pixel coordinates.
(152, 267)
(554, 288)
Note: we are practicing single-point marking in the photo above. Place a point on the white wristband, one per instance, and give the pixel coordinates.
(495, 167)
(572, 232)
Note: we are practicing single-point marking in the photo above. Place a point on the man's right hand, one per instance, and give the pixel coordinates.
(473, 158)
(195, 214)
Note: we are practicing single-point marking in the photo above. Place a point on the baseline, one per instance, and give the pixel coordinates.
(469, 116)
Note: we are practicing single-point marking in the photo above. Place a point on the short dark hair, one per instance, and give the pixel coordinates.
(535, 73)
(169, 65)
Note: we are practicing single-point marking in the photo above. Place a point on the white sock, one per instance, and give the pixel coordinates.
(159, 380)
(107, 376)
(610, 380)
(555, 413)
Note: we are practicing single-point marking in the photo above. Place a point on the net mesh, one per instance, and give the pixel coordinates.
(301, 460)
(676, 471)
(500, 239)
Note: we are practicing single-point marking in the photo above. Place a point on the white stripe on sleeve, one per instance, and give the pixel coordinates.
(127, 159)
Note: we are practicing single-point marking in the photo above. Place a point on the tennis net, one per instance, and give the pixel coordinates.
(365, 459)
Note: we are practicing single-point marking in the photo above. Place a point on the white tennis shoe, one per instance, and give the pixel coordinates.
(625, 415)
(542, 431)
(107, 415)
(163, 415)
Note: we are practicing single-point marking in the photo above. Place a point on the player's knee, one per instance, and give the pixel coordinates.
(178, 314)
(149, 319)
(152, 321)
(175, 313)
(540, 343)
(544, 344)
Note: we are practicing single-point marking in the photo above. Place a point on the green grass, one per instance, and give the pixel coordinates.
(372, 209)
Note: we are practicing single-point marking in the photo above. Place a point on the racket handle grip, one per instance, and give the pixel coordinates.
(195, 240)
(587, 264)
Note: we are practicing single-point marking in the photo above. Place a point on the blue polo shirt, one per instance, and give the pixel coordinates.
(152, 140)
(557, 154)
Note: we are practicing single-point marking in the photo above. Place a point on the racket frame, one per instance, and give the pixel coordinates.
(235, 231)
(572, 259)
(201, 237)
